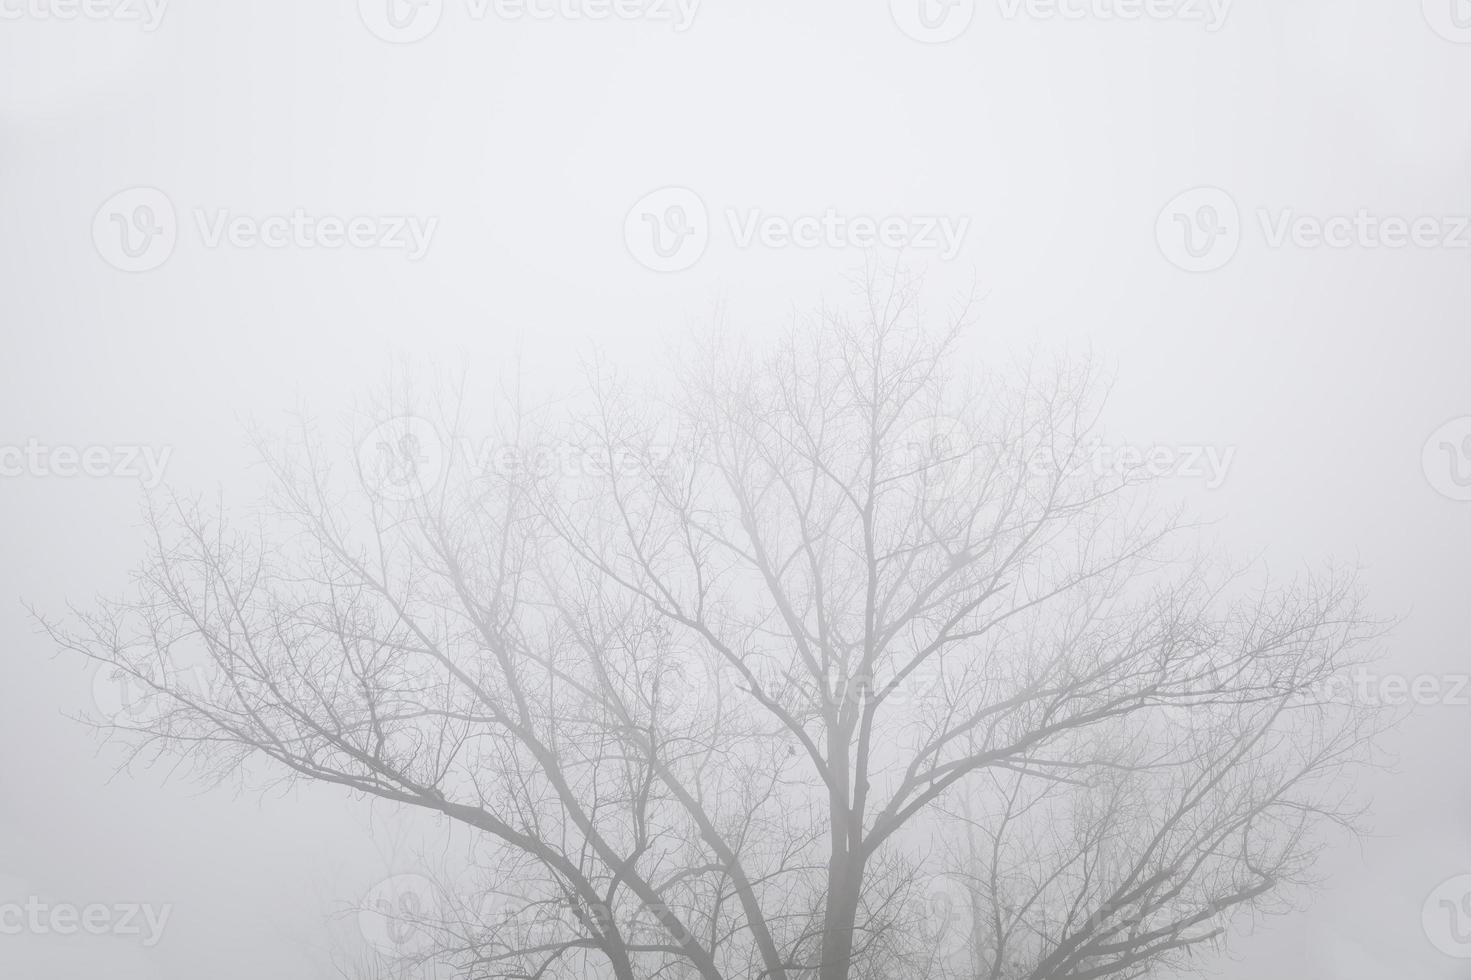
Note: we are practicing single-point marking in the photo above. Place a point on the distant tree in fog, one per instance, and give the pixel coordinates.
(839, 660)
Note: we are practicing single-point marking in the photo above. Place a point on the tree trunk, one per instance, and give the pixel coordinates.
(845, 882)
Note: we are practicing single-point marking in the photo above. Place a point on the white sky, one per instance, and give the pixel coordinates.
(1060, 140)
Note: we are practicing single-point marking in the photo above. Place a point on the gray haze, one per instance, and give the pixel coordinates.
(1061, 143)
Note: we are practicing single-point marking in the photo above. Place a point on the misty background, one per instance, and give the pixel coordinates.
(1061, 141)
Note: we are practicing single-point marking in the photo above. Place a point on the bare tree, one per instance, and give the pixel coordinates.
(834, 662)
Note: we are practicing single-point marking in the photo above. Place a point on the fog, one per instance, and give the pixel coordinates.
(1253, 217)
